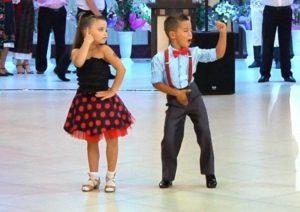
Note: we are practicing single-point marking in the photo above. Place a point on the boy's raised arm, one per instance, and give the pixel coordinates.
(221, 45)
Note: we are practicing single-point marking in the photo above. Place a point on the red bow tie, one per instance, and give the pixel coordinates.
(183, 51)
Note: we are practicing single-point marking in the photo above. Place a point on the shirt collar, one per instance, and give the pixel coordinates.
(170, 49)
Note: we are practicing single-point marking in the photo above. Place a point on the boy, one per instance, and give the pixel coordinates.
(172, 73)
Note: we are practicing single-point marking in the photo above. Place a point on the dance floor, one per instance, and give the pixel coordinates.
(255, 132)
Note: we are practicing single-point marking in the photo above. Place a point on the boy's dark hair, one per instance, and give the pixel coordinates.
(171, 23)
(84, 22)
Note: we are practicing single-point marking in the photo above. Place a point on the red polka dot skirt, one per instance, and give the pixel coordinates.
(91, 118)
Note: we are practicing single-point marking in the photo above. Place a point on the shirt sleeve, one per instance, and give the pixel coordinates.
(205, 55)
(157, 69)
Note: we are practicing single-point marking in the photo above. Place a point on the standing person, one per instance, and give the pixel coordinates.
(172, 74)
(277, 15)
(24, 17)
(92, 7)
(97, 111)
(257, 9)
(7, 33)
(51, 16)
(84, 7)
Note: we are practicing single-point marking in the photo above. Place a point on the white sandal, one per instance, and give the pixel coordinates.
(91, 185)
(110, 186)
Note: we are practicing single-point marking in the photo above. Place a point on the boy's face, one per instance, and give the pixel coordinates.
(182, 37)
(98, 31)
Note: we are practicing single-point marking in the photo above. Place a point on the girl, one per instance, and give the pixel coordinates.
(97, 110)
(24, 18)
(7, 30)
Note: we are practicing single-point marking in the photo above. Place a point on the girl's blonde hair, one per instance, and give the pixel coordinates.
(83, 23)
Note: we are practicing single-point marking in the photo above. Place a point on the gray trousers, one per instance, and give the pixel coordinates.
(174, 131)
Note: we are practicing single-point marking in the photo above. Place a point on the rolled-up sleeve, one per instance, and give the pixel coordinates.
(205, 55)
(157, 69)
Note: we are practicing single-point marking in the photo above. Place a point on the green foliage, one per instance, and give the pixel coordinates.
(200, 17)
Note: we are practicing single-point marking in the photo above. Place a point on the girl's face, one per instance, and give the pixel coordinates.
(98, 30)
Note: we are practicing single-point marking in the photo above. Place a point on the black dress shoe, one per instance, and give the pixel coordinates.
(39, 72)
(263, 79)
(289, 79)
(3, 74)
(255, 64)
(165, 184)
(211, 181)
(61, 76)
(9, 74)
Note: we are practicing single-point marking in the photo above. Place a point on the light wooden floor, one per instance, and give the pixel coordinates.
(256, 138)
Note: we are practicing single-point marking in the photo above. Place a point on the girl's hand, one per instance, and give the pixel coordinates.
(105, 94)
(221, 26)
(88, 37)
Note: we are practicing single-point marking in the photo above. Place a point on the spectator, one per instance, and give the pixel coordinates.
(277, 15)
(24, 17)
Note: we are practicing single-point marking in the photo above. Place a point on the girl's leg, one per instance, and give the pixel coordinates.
(2, 70)
(19, 67)
(111, 153)
(4, 53)
(93, 156)
(27, 68)
(93, 159)
(112, 157)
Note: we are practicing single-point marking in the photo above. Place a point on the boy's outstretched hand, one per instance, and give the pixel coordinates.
(221, 26)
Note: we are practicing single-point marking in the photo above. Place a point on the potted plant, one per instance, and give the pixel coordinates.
(125, 17)
(243, 13)
(225, 12)
(200, 17)
(296, 16)
(296, 26)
